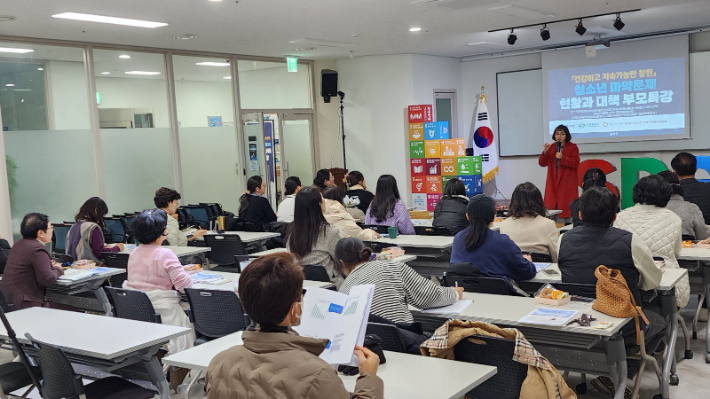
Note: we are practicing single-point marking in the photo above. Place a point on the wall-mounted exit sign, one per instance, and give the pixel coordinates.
(292, 64)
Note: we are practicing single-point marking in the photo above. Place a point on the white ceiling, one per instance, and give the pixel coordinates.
(337, 27)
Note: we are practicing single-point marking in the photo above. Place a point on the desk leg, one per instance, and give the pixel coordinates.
(670, 354)
(103, 300)
(619, 379)
(707, 327)
(157, 377)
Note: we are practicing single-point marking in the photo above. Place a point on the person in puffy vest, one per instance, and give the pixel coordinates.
(584, 248)
(450, 211)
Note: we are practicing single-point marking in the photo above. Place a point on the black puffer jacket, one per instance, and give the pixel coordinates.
(450, 212)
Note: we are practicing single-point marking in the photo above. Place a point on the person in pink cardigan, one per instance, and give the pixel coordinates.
(156, 270)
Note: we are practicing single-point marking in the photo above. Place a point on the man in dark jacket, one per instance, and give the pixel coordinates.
(685, 165)
(30, 269)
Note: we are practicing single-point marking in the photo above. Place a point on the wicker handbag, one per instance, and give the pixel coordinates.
(615, 298)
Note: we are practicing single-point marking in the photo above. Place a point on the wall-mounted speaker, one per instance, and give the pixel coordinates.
(328, 84)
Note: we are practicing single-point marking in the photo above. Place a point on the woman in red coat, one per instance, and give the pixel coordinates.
(561, 187)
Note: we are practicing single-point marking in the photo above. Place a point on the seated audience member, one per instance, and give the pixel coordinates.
(527, 223)
(593, 177)
(693, 222)
(358, 189)
(660, 228)
(584, 248)
(157, 271)
(396, 284)
(387, 208)
(4, 252)
(495, 254)
(254, 208)
(30, 268)
(285, 212)
(310, 237)
(323, 179)
(274, 361)
(450, 211)
(336, 215)
(167, 200)
(85, 239)
(685, 165)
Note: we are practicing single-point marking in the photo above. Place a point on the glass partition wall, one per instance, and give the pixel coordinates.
(119, 124)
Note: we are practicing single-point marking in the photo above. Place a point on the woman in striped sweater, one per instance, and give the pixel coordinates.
(396, 284)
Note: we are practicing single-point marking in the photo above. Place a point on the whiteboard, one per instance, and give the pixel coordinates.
(520, 112)
(519, 93)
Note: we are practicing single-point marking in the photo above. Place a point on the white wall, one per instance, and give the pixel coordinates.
(430, 73)
(379, 89)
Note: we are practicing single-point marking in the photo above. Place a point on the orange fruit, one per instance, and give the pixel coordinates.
(557, 294)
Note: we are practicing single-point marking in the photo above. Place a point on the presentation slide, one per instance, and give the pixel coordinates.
(628, 101)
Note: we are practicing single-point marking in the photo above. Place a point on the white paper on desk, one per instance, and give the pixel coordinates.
(338, 317)
(541, 266)
(204, 277)
(548, 317)
(455, 308)
(75, 274)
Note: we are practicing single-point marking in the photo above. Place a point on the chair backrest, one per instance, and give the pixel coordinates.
(496, 352)
(58, 377)
(316, 273)
(59, 237)
(199, 214)
(223, 247)
(133, 305)
(215, 313)
(431, 231)
(214, 208)
(4, 304)
(380, 228)
(538, 257)
(118, 229)
(484, 285)
(117, 260)
(584, 290)
(389, 333)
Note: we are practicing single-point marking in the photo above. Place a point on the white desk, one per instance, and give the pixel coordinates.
(404, 375)
(404, 258)
(246, 236)
(670, 278)
(422, 222)
(694, 254)
(102, 342)
(415, 241)
(63, 291)
(234, 279)
(566, 228)
(567, 347)
(180, 251)
(551, 213)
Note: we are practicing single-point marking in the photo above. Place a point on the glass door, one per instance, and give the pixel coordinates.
(296, 145)
(445, 110)
(260, 132)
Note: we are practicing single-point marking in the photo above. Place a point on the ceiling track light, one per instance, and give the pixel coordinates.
(512, 37)
(580, 28)
(617, 22)
(545, 33)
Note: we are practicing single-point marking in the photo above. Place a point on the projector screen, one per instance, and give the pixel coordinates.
(600, 101)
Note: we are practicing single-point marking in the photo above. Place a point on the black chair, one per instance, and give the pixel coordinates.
(183, 218)
(116, 260)
(214, 208)
(59, 237)
(539, 257)
(199, 215)
(496, 352)
(6, 306)
(215, 313)
(62, 258)
(687, 237)
(60, 381)
(133, 305)
(431, 231)
(484, 285)
(390, 335)
(316, 273)
(382, 229)
(16, 375)
(117, 230)
(223, 247)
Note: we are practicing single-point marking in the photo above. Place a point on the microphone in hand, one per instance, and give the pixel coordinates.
(559, 146)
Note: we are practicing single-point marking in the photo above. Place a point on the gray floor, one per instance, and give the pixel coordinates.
(694, 374)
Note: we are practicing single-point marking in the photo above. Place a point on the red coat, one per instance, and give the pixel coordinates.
(561, 186)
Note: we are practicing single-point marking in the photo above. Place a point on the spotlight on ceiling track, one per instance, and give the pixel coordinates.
(580, 28)
(512, 37)
(617, 22)
(545, 33)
